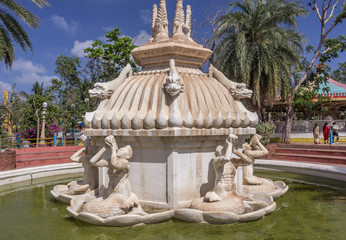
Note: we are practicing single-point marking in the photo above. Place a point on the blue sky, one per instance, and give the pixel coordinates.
(69, 26)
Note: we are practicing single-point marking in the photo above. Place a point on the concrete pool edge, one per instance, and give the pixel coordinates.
(336, 172)
(25, 177)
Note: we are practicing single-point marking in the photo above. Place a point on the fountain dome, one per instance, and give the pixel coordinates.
(171, 91)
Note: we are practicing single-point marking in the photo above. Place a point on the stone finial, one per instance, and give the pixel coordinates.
(173, 85)
(161, 22)
(188, 22)
(179, 18)
(154, 32)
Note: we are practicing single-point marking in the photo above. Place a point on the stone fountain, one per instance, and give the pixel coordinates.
(170, 137)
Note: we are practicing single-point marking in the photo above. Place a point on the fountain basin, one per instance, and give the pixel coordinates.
(31, 213)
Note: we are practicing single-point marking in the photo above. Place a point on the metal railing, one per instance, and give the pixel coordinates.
(19, 142)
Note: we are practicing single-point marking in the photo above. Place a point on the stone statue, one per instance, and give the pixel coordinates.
(118, 198)
(90, 180)
(223, 197)
(89, 183)
(225, 170)
(253, 150)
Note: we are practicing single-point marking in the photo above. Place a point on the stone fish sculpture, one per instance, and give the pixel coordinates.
(90, 180)
(118, 198)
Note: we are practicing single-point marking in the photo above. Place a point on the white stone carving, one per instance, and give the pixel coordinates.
(253, 184)
(179, 19)
(104, 90)
(153, 26)
(173, 85)
(237, 90)
(118, 198)
(223, 197)
(173, 115)
(90, 180)
(161, 23)
(188, 24)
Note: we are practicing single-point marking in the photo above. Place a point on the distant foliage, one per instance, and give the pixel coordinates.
(31, 133)
(267, 131)
(5, 140)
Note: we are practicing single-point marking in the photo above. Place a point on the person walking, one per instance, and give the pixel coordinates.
(326, 132)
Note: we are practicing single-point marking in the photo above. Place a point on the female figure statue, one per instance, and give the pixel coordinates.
(90, 179)
(118, 199)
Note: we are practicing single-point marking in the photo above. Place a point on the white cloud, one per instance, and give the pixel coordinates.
(22, 65)
(32, 77)
(107, 29)
(78, 47)
(4, 86)
(146, 15)
(60, 22)
(102, 38)
(27, 72)
(141, 38)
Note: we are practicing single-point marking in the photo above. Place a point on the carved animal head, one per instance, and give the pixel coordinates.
(173, 85)
(100, 91)
(241, 92)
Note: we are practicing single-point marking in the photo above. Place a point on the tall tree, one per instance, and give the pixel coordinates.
(339, 74)
(11, 30)
(37, 88)
(329, 16)
(67, 90)
(112, 56)
(257, 44)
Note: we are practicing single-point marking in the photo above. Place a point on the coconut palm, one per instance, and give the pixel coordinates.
(257, 44)
(12, 31)
(37, 89)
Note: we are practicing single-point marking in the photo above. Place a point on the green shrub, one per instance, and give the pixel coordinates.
(266, 130)
(5, 140)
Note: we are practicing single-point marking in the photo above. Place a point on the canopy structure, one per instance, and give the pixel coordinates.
(337, 91)
(336, 105)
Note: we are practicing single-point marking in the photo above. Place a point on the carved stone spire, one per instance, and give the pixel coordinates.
(179, 19)
(154, 32)
(161, 23)
(188, 22)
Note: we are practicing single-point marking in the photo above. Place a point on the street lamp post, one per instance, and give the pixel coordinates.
(43, 141)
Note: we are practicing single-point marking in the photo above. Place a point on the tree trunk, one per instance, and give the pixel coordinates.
(38, 127)
(286, 134)
(263, 114)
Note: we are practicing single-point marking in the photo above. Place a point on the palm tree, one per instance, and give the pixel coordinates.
(37, 89)
(258, 45)
(11, 30)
